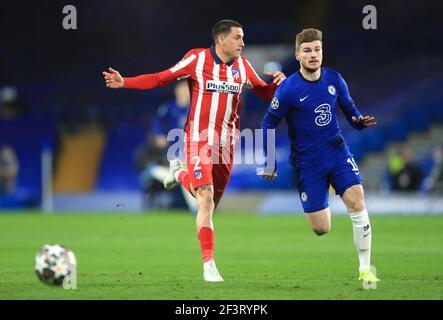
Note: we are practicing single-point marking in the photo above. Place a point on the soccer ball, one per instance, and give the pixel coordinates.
(53, 263)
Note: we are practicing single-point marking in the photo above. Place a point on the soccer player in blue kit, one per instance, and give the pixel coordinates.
(307, 101)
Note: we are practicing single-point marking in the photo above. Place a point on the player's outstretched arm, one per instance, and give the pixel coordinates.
(113, 79)
(364, 121)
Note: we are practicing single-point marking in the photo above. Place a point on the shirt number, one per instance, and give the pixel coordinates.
(324, 116)
(197, 166)
(351, 161)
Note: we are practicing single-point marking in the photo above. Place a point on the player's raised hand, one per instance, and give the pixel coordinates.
(267, 175)
(113, 79)
(278, 76)
(366, 121)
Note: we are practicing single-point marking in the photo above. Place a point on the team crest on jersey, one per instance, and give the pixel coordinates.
(332, 90)
(274, 103)
(198, 175)
(235, 73)
(304, 196)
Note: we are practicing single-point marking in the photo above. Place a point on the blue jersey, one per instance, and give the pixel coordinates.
(170, 116)
(309, 108)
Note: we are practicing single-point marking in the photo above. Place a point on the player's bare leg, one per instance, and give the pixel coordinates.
(205, 209)
(205, 231)
(320, 221)
(354, 201)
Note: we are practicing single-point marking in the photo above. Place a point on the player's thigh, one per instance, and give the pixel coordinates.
(221, 173)
(320, 221)
(198, 165)
(313, 190)
(345, 174)
(347, 182)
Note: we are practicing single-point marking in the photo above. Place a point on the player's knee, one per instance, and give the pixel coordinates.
(205, 199)
(206, 203)
(356, 205)
(319, 231)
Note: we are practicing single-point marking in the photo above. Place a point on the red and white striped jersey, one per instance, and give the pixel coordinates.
(215, 87)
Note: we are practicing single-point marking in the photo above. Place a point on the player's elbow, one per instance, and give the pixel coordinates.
(269, 122)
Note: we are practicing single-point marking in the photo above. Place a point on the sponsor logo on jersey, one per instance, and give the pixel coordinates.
(235, 73)
(303, 99)
(198, 175)
(332, 90)
(304, 197)
(222, 86)
(274, 103)
(324, 116)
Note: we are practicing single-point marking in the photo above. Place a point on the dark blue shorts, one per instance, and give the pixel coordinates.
(313, 182)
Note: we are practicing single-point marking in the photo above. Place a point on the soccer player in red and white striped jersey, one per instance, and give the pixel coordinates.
(216, 78)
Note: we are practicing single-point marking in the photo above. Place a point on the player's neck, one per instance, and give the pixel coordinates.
(223, 56)
(310, 76)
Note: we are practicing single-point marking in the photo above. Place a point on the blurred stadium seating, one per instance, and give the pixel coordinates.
(392, 74)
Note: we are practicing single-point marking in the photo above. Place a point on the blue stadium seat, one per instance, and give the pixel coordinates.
(117, 171)
(373, 139)
(396, 130)
(28, 137)
(417, 119)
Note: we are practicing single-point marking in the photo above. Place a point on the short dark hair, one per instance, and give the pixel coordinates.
(307, 35)
(224, 27)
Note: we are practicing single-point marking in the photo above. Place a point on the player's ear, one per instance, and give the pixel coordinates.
(296, 56)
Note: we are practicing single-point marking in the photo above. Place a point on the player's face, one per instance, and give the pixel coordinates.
(310, 55)
(232, 44)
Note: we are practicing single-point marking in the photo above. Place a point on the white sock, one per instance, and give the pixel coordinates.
(159, 172)
(362, 237)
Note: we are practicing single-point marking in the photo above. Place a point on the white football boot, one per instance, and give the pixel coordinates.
(171, 179)
(210, 272)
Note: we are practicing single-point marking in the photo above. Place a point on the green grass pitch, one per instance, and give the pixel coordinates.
(157, 256)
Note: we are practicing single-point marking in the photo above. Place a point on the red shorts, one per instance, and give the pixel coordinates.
(209, 165)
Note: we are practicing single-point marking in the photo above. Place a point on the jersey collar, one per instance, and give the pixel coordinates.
(311, 81)
(217, 59)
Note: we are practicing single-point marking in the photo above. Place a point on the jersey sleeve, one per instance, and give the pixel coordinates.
(346, 103)
(184, 68)
(277, 110)
(259, 86)
(280, 103)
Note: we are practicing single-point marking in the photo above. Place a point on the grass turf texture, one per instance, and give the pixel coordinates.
(157, 256)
